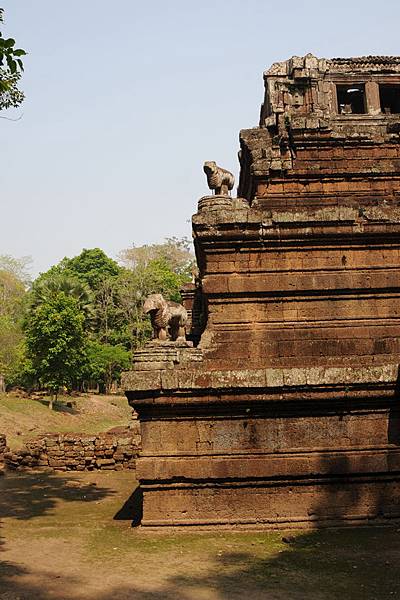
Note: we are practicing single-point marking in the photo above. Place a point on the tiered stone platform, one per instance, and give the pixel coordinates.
(287, 412)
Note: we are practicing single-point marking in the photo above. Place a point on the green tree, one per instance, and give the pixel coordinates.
(55, 340)
(174, 252)
(11, 66)
(12, 293)
(10, 339)
(133, 287)
(20, 372)
(95, 270)
(155, 268)
(12, 308)
(19, 267)
(105, 363)
(92, 267)
(49, 287)
(109, 300)
(98, 271)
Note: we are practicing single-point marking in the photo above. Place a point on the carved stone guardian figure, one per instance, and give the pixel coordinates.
(168, 318)
(218, 179)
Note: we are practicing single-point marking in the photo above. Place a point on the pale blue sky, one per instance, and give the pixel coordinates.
(125, 100)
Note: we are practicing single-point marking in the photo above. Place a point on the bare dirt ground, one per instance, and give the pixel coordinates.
(70, 537)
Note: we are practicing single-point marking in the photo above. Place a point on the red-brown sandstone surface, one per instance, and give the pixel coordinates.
(286, 411)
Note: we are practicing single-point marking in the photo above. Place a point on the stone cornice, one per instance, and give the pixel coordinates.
(258, 379)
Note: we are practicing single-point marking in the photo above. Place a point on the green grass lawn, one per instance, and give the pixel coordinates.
(23, 418)
(64, 537)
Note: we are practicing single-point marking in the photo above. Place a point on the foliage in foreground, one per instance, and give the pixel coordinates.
(11, 66)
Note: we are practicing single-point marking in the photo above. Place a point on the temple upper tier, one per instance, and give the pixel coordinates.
(324, 121)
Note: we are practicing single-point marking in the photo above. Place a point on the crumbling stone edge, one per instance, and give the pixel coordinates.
(116, 450)
(3, 450)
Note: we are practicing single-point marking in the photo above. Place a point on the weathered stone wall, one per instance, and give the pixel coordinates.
(3, 448)
(116, 449)
(287, 412)
(345, 171)
(300, 288)
(305, 273)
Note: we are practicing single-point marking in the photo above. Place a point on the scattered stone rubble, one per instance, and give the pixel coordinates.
(113, 450)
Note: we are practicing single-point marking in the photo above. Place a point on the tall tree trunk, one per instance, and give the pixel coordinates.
(2, 383)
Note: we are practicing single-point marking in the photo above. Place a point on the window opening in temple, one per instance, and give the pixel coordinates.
(390, 99)
(351, 99)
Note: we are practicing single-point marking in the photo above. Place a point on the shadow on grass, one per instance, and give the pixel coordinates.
(25, 496)
(343, 565)
(68, 406)
(132, 510)
(31, 494)
(356, 563)
(353, 564)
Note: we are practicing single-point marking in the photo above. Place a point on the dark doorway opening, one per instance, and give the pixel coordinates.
(390, 99)
(351, 99)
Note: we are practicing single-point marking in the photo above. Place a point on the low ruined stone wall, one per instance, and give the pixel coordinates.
(3, 448)
(116, 449)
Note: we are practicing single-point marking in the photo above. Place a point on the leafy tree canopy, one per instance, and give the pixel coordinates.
(85, 314)
(55, 341)
(105, 363)
(175, 252)
(11, 66)
(46, 288)
(89, 276)
(133, 286)
(19, 267)
(11, 337)
(12, 310)
(12, 294)
(19, 371)
(92, 266)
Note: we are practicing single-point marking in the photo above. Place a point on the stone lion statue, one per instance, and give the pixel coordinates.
(218, 179)
(168, 318)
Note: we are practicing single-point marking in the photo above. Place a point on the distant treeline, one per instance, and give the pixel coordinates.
(76, 325)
